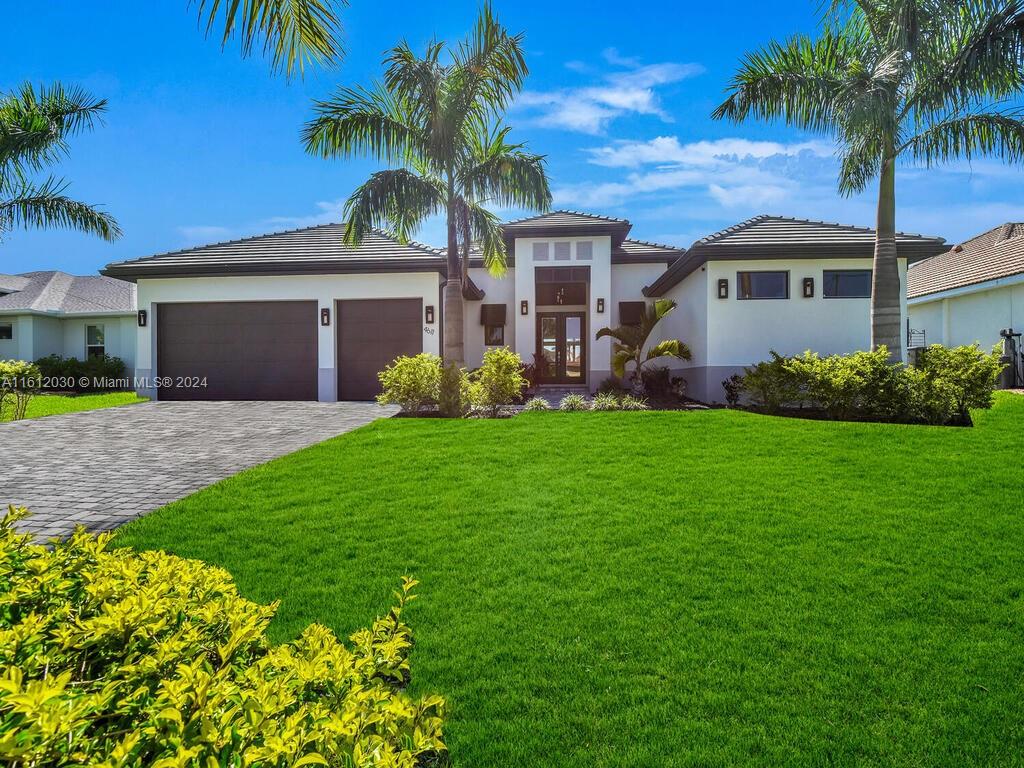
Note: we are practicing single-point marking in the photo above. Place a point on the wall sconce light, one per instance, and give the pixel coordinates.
(600, 306)
(723, 288)
(325, 316)
(808, 287)
(524, 307)
(429, 314)
(143, 315)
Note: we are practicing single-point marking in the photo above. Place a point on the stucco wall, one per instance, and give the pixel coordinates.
(498, 290)
(37, 336)
(970, 317)
(324, 289)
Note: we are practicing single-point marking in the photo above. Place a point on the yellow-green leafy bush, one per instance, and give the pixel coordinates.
(411, 382)
(110, 657)
(19, 380)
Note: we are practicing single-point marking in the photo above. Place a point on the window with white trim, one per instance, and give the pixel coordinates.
(94, 341)
(584, 250)
(540, 251)
(562, 251)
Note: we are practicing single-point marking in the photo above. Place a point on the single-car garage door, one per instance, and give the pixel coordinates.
(372, 333)
(245, 350)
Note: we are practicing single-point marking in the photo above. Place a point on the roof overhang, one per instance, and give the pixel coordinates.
(963, 290)
(61, 315)
(135, 272)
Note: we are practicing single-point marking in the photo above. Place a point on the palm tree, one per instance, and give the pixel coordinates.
(293, 33)
(35, 125)
(892, 80)
(630, 341)
(439, 124)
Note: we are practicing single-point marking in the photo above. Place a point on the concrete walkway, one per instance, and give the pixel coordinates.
(103, 468)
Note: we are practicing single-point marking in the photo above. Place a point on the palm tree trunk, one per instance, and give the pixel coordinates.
(885, 281)
(454, 347)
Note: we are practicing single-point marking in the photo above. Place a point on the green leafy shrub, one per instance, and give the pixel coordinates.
(574, 403)
(612, 386)
(19, 381)
(411, 382)
(537, 404)
(498, 382)
(771, 384)
(453, 398)
(733, 387)
(101, 372)
(657, 381)
(117, 658)
(861, 384)
(603, 402)
(949, 381)
(631, 403)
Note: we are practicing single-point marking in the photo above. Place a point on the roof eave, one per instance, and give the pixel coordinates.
(134, 273)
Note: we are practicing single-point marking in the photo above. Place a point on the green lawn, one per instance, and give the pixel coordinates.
(648, 589)
(50, 405)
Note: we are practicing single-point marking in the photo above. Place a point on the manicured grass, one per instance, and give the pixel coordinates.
(648, 589)
(49, 405)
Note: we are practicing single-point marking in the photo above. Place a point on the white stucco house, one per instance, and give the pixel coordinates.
(54, 313)
(299, 315)
(970, 292)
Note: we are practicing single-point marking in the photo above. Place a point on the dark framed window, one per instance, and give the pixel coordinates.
(94, 341)
(6, 331)
(847, 284)
(762, 285)
(631, 312)
(494, 335)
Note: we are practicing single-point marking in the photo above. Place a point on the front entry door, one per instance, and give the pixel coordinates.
(561, 345)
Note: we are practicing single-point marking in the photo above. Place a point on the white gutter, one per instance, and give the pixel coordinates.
(999, 282)
(59, 315)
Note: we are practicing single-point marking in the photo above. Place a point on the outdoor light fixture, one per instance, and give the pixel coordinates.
(723, 288)
(808, 287)
(142, 318)
(325, 316)
(429, 314)
(600, 306)
(524, 307)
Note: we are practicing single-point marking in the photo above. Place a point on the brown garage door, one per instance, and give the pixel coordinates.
(246, 350)
(372, 333)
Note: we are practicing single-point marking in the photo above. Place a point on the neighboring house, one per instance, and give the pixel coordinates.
(971, 292)
(54, 313)
(299, 315)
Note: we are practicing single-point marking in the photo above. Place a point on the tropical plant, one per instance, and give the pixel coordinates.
(411, 382)
(537, 404)
(35, 126)
(605, 402)
(498, 382)
(949, 381)
(631, 403)
(574, 402)
(733, 387)
(891, 81)
(439, 123)
(631, 340)
(111, 657)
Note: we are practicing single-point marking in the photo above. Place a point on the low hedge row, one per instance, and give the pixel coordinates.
(72, 372)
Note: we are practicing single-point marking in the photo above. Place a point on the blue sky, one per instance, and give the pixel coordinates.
(200, 146)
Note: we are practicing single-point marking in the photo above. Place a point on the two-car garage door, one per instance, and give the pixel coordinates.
(267, 350)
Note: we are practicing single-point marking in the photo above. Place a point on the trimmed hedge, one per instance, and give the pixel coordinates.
(71, 371)
(110, 657)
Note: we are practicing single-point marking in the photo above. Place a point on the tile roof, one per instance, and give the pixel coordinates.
(988, 256)
(61, 293)
(563, 219)
(312, 250)
(640, 251)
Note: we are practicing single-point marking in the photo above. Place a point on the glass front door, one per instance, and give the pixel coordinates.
(561, 348)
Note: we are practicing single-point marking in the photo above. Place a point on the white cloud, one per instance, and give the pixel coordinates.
(589, 109)
(327, 212)
(668, 150)
(200, 234)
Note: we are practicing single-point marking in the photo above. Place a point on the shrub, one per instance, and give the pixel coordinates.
(112, 657)
(733, 387)
(574, 403)
(862, 384)
(602, 402)
(411, 382)
(99, 373)
(771, 384)
(949, 381)
(499, 381)
(612, 386)
(630, 403)
(657, 381)
(19, 381)
(537, 404)
(453, 398)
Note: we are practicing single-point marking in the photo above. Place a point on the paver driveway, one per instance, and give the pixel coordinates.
(102, 468)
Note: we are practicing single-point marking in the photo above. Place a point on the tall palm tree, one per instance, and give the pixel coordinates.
(35, 125)
(892, 80)
(439, 124)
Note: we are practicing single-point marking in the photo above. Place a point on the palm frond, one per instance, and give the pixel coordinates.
(669, 348)
(505, 174)
(45, 206)
(293, 33)
(395, 200)
(860, 163)
(485, 229)
(997, 134)
(35, 123)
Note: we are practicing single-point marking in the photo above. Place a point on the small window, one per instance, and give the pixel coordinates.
(494, 335)
(562, 251)
(762, 285)
(6, 331)
(540, 251)
(94, 341)
(847, 284)
(584, 250)
(631, 312)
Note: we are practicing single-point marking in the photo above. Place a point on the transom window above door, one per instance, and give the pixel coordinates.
(762, 285)
(540, 251)
(95, 341)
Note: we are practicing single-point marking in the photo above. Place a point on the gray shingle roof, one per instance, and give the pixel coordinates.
(313, 250)
(781, 237)
(61, 293)
(988, 256)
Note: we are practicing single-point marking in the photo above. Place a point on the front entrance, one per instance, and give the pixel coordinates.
(561, 347)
